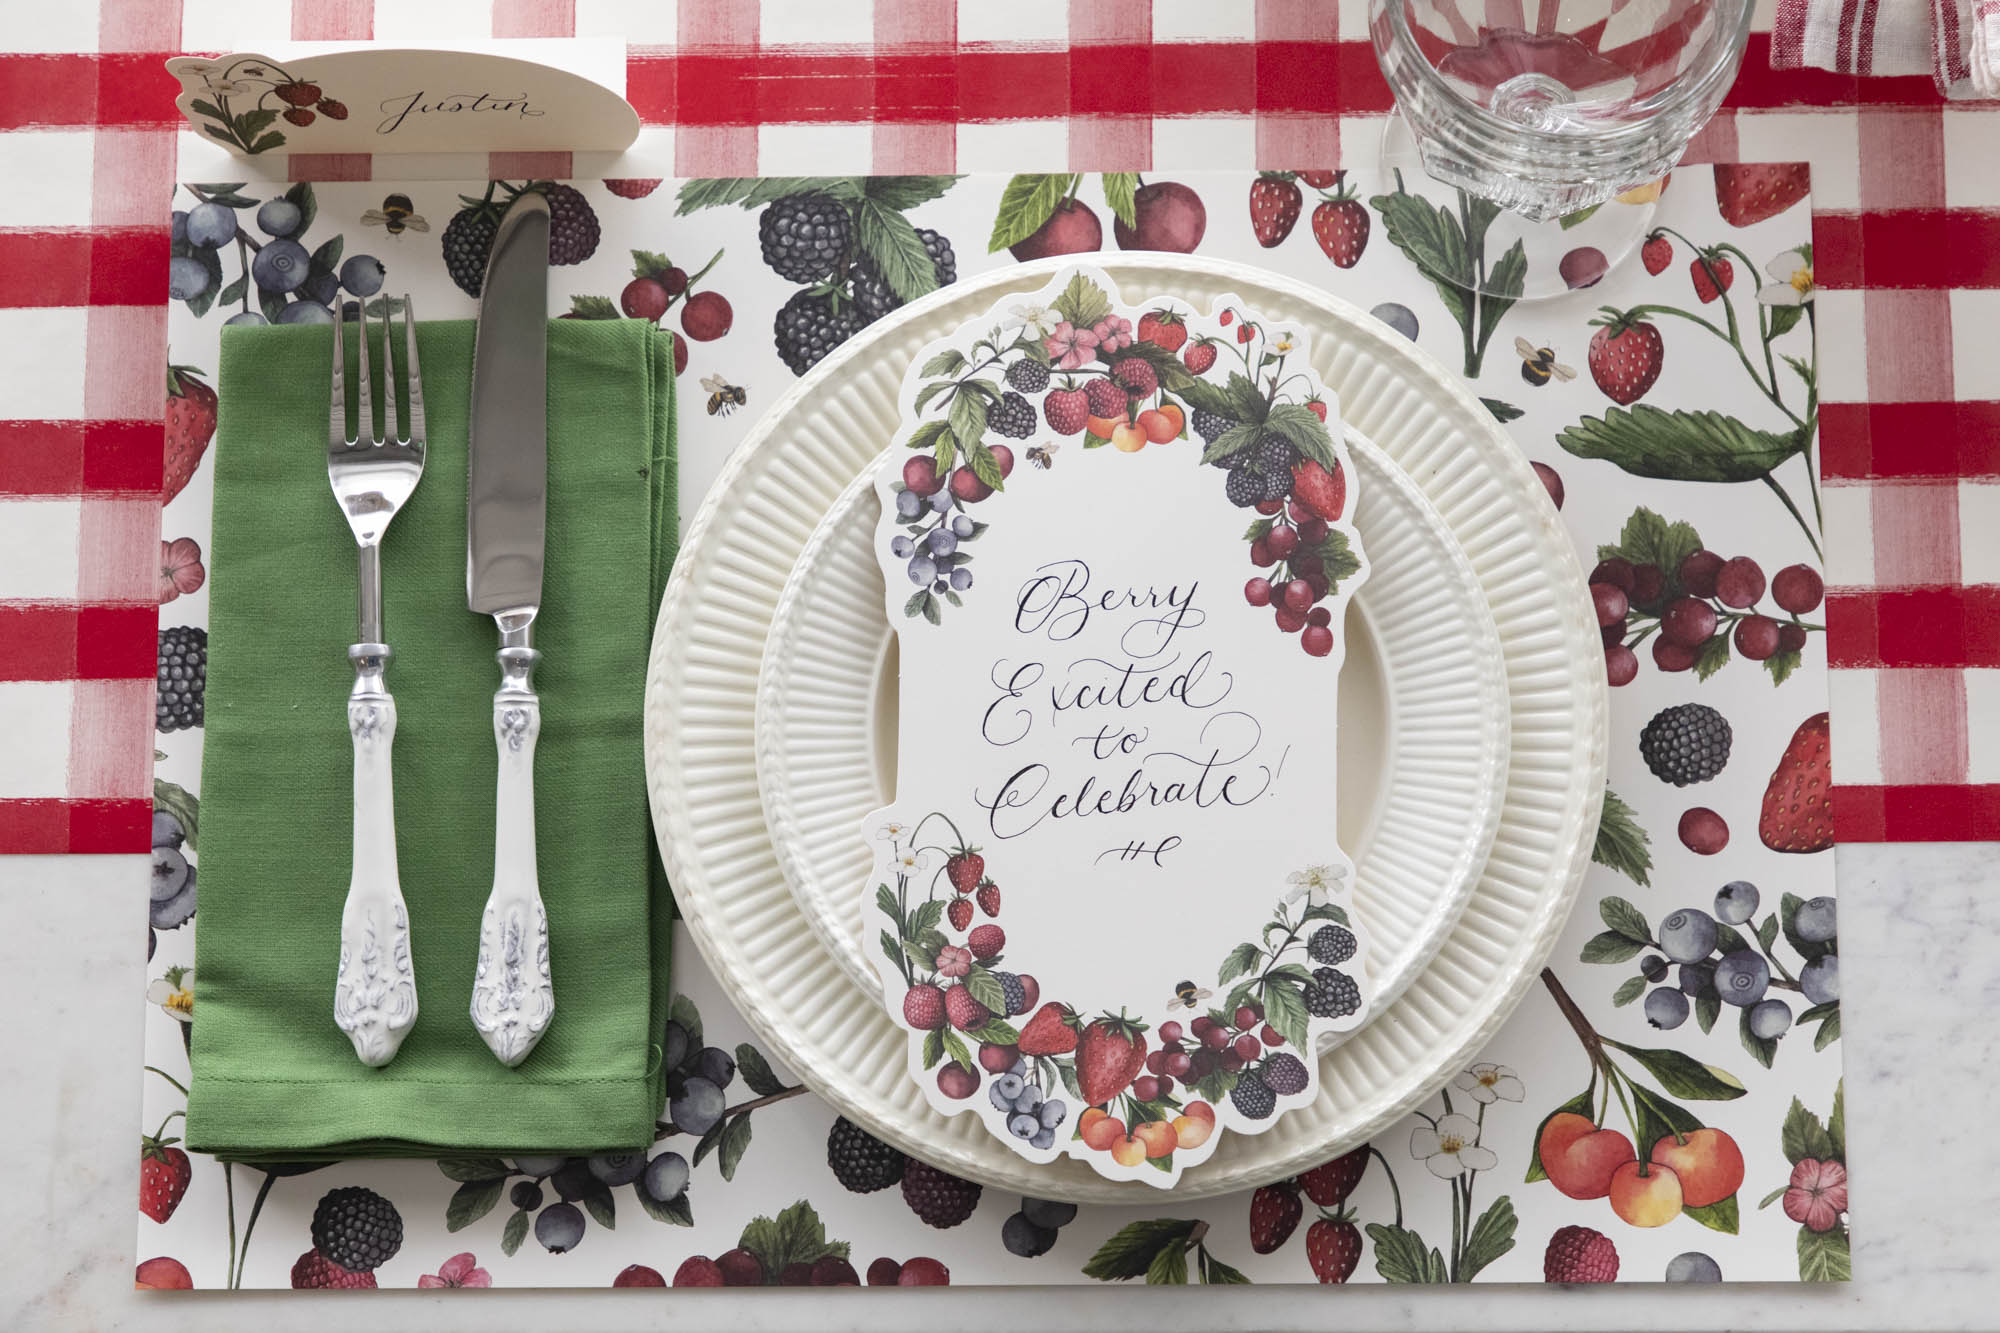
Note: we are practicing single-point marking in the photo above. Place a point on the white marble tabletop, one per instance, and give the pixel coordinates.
(1921, 938)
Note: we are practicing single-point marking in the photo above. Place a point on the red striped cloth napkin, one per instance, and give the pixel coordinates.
(1956, 42)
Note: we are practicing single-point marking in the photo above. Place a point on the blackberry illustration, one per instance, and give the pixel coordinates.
(1245, 487)
(1209, 425)
(809, 326)
(860, 1161)
(183, 678)
(1686, 743)
(873, 296)
(1253, 1096)
(944, 262)
(1013, 417)
(468, 239)
(1331, 994)
(1273, 456)
(1285, 1074)
(357, 1228)
(573, 229)
(1331, 944)
(1016, 993)
(1278, 484)
(1028, 375)
(941, 1200)
(804, 235)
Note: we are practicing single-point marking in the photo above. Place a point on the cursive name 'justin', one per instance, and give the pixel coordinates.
(399, 109)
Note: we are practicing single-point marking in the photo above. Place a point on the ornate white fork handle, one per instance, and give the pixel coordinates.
(513, 995)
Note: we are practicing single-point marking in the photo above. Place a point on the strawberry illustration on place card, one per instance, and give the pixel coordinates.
(1115, 918)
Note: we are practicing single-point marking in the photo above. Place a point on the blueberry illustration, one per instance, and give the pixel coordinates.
(210, 224)
(1652, 967)
(174, 912)
(1398, 317)
(963, 525)
(280, 266)
(186, 278)
(942, 500)
(922, 569)
(1021, 1236)
(1666, 1008)
(1742, 977)
(716, 1065)
(1696, 978)
(167, 831)
(619, 1168)
(559, 1228)
(244, 319)
(1769, 1019)
(1821, 979)
(942, 541)
(539, 1166)
(170, 873)
(674, 1045)
(1020, 1066)
(1736, 902)
(1694, 1266)
(1688, 936)
(1001, 1101)
(362, 275)
(179, 232)
(901, 547)
(1030, 1099)
(1814, 921)
(698, 1107)
(525, 1194)
(1045, 1139)
(1052, 1114)
(279, 217)
(666, 1177)
(1023, 1126)
(305, 312)
(1009, 1086)
(941, 586)
(322, 285)
(961, 579)
(1048, 1213)
(908, 504)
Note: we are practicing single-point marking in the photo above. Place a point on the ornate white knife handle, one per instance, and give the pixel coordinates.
(513, 996)
(375, 999)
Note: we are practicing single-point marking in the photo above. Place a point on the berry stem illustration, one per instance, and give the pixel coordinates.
(665, 1129)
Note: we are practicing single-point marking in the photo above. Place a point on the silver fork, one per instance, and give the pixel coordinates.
(375, 1000)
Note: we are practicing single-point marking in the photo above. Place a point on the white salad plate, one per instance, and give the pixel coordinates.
(779, 488)
(1423, 727)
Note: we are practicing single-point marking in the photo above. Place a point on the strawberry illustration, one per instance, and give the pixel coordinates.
(1798, 801)
(297, 93)
(1711, 274)
(1656, 254)
(964, 870)
(1317, 406)
(1329, 1183)
(1625, 356)
(1747, 193)
(1340, 225)
(1199, 356)
(959, 913)
(1052, 1031)
(1275, 1211)
(1109, 1056)
(1323, 492)
(1322, 180)
(1245, 332)
(988, 897)
(164, 1172)
(190, 426)
(1165, 329)
(963, 1012)
(1333, 1247)
(1275, 201)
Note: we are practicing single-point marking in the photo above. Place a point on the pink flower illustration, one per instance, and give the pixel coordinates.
(1817, 1195)
(181, 569)
(1113, 333)
(953, 961)
(461, 1270)
(1070, 347)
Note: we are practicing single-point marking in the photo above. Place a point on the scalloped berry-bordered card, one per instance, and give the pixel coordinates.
(1116, 757)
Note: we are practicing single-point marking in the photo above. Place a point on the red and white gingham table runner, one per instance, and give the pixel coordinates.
(1906, 228)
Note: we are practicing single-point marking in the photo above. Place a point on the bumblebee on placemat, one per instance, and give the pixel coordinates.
(723, 397)
(397, 214)
(1539, 363)
(1187, 995)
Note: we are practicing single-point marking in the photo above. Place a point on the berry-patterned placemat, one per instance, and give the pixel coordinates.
(1665, 1104)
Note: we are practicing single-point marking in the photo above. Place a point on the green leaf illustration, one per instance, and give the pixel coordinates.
(1629, 990)
(514, 1232)
(468, 1169)
(735, 1140)
(756, 1071)
(1119, 188)
(794, 1236)
(603, 1209)
(1621, 843)
(212, 262)
(1492, 1236)
(1082, 302)
(1649, 539)
(1285, 1010)
(1660, 1117)
(1804, 1135)
(955, 1048)
(1823, 1256)
(1337, 560)
(1707, 1008)
(887, 237)
(1296, 425)
(1238, 963)
(1234, 440)
(1609, 947)
(1401, 1256)
(177, 801)
(472, 1201)
(683, 1012)
(1788, 908)
(1025, 205)
(675, 1212)
(906, 192)
(1169, 1267)
(1711, 657)
(1680, 445)
(1682, 1075)
(1762, 1049)
(1781, 665)
(1502, 412)
(1836, 1124)
(1217, 1273)
(984, 465)
(756, 191)
(1624, 918)
(948, 362)
(1718, 1216)
(1131, 1250)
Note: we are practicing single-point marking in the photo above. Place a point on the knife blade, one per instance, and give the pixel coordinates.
(513, 995)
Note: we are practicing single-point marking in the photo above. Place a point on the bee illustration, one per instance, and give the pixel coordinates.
(1187, 995)
(397, 214)
(723, 397)
(1043, 456)
(1539, 363)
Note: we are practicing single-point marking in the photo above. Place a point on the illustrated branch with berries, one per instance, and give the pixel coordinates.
(1450, 249)
(1688, 1168)
(293, 285)
(253, 83)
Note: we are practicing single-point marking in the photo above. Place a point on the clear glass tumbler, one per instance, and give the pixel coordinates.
(1549, 108)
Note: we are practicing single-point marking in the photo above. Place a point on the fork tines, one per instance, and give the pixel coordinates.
(395, 428)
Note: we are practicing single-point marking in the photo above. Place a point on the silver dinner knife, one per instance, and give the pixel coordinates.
(513, 996)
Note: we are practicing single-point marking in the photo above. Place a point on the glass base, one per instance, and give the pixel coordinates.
(1555, 257)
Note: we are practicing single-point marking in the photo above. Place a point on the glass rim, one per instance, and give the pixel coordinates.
(1696, 93)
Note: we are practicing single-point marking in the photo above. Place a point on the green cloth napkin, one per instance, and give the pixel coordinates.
(274, 1079)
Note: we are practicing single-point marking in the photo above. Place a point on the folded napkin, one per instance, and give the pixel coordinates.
(1956, 42)
(274, 1079)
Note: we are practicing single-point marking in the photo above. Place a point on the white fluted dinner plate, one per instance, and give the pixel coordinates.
(774, 493)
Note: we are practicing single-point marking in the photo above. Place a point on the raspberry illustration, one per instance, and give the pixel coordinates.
(808, 326)
(1285, 1074)
(1275, 204)
(1341, 228)
(939, 1199)
(965, 870)
(985, 941)
(988, 897)
(1331, 944)
(1275, 1211)
(314, 1271)
(1685, 744)
(1329, 1183)
(1207, 424)
(468, 239)
(959, 913)
(191, 415)
(634, 187)
(804, 235)
(861, 1162)
(1253, 1097)
(1333, 1248)
(1014, 416)
(1137, 376)
(1028, 375)
(357, 1228)
(1106, 398)
(182, 678)
(923, 1008)
(1578, 1254)
(1066, 410)
(1331, 994)
(964, 1012)
(1625, 357)
(164, 1172)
